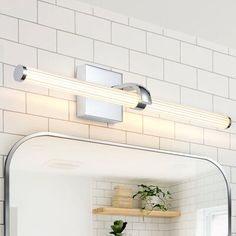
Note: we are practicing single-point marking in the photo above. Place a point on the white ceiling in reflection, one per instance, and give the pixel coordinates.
(57, 155)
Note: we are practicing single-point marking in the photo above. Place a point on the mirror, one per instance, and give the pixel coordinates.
(58, 185)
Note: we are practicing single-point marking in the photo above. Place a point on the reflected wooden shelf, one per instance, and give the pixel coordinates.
(135, 212)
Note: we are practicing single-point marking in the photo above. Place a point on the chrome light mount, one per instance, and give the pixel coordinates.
(144, 95)
(92, 109)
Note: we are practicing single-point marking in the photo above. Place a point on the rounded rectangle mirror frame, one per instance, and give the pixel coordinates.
(48, 134)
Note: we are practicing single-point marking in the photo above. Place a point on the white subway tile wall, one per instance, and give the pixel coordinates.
(56, 36)
(189, 197)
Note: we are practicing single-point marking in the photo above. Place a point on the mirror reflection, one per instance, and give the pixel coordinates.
(61, 187)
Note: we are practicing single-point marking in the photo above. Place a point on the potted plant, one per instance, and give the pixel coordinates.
(153, 197)
(118, 227)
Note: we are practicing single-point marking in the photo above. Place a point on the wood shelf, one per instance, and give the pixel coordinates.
(135, 212)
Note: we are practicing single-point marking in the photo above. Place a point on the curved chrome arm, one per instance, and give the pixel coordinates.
(144, 95)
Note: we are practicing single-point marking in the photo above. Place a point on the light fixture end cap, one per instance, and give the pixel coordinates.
(20, 73)
(230, 123)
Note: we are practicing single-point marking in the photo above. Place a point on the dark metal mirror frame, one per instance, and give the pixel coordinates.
(49, 134)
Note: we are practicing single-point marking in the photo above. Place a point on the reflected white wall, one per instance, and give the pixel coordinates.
(50, 205)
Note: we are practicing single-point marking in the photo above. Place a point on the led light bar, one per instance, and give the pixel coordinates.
(192, 115)
(130, 95)
(76, 87)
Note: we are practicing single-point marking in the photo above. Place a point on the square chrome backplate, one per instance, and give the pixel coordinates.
(92, 109)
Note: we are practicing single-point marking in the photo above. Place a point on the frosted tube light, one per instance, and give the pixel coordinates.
(190, 114)
(117, 96)
(77, 87)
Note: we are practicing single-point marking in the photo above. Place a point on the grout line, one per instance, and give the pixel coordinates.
(37, 58)
(180, 52)
(146, 42)
(166, 36)
(197, 79)
(26, 108)
(111, 29)
(37, 11)
(3, 120)
(119, 46)
(75, 22)
(18, 31)
(57, 41)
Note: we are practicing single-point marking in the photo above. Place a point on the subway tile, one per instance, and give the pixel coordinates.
(213, 83)
(50, 1)
(110, 55)
(128, 37)
(232, 88)
(196, 99)
(73, 117)
(55, 63)
(163, 90)
(1, 74)
(9, 141)
(37, 35)
(47, 106)
(233, 207)
(212, 45)
(142, 140)
(227, 171)
(225, 106)
(2, 166)
(158, 127)
(131, 122)
(24, 124)
(56, 17)
(14, 54)
(232, 128)
(68, 128)
(76, 5)
(9, 28)
(11, 83)
(232, 51)
(93, 27)
(133, 78)
(227, 157)
(196, 56)
(1, 213)
(1, 120)
(163, 47)
(233, 175)
(12, 100)
(180, 36)
(180, 74)
(75, 46)
(25, 9)
(61, 95)
(216, 138)
(224, 64)
(174, 145)
(146, 65)
(137, 23)
(107, 134)
(233, 141)
(188, 133)
(204, 151)
(109, 15)
(1, 190)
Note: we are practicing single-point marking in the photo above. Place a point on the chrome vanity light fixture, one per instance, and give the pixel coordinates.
(101, 96)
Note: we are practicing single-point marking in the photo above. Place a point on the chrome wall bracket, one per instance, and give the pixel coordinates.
(92, 109)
